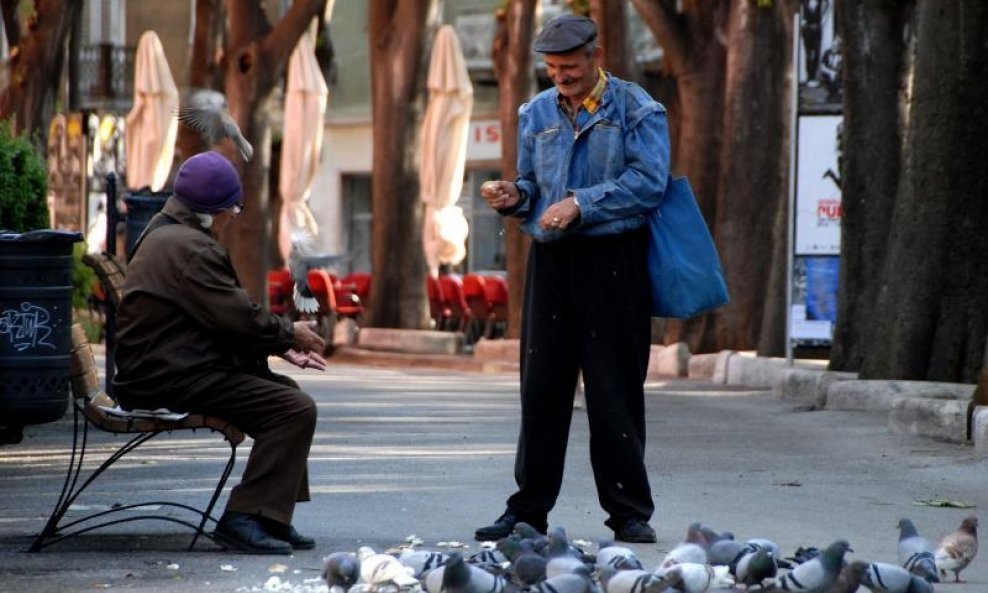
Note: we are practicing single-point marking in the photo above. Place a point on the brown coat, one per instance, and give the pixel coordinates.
(184, 314)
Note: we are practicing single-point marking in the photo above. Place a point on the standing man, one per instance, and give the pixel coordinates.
(189, 339)
(593, 158)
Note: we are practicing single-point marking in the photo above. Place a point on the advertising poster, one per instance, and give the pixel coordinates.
(819, 63)
(818, 197)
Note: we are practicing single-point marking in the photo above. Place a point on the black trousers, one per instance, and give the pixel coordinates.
(587, 307)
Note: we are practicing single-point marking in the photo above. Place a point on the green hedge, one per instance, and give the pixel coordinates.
(23, 184)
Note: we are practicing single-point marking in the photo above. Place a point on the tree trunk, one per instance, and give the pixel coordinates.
(932, 313)
(36, 67)
(512, 57)
(254, 61)
(754, 161)
(695, 56)
(873, 70)
(611, 17)
(396, 32)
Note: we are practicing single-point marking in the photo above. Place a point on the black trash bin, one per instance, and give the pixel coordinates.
(35, 326)
(142, 205)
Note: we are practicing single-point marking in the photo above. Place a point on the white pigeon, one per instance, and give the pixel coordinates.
(382, 569)
(915, 552)
(206, 112)
(956, 550)
(684, 552)
(422, 561)
(690, 577)
(621, 557)
(615, 580)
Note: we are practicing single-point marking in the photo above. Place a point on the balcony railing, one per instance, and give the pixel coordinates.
(106, 75)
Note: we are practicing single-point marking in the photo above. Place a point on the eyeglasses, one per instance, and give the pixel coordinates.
(238, 208)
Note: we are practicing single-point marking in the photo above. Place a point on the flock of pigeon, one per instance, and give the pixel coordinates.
(529, 562)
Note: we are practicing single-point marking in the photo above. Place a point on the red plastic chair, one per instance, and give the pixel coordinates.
(496, 289)
(460, 312)
(280, 289)
(359, 283)
(475, 293)
(438, 310)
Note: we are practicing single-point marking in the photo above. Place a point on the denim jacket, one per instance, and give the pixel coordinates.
(615, 161)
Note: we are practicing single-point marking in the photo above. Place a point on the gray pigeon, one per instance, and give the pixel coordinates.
(341, 569)
(915, 552)
(206, 112)
(816, 575)
(684, 552)
(698, 578)
(527, 565)
(303, 257)
(620, 557)
(580, 582)
(849, 579)
(881, 577)
(756, 567)
(422, 561)
(460, 577)
(615, 580)
(956, 550)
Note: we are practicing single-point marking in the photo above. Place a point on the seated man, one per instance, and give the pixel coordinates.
(190, 339)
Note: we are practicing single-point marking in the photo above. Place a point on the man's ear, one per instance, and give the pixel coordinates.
(598, 55)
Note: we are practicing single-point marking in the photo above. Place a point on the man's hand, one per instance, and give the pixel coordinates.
(500, 194)
(560, 215)
(304, 361)
(306, 339)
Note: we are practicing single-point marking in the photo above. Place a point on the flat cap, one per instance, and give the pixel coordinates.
(565, 33)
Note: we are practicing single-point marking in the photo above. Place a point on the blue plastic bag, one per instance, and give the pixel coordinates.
(683, 266)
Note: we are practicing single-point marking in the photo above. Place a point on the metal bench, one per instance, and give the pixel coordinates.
(93, 407)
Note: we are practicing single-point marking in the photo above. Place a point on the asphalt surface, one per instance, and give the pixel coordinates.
(403, 452)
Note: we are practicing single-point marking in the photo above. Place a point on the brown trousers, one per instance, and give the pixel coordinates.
(277, 415)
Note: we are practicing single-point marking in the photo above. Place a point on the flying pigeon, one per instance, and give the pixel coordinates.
(341, 570)
(302, 257)
(915, 552)
(956, 550)
(849, 579)
(815, 575)
(881, 577)
(206, 112)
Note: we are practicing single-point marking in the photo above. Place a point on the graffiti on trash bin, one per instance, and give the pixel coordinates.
(27, 328)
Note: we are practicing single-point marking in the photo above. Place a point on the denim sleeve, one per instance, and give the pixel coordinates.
(526, 183)
(640, 187)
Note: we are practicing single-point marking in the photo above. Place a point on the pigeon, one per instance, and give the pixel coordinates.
(755, 567)
(881, 577)
(620, 557)
(915, 552)
(341, 570)
(422, 561)
(849, 579)
(616, 580)
(956, 550)
(381, 569)
(527, 566)
(206, 112)
(460, 577)
(689, 577)
(302, 257)
(559, 545)
(580, 582)
(563, 564)
(684, 552)
(816, 575)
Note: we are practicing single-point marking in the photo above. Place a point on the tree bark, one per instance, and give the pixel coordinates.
(611, 17)
(932, 314)
(254, 60)
(873, 69)
(695, 57)
(754, 161)
(36, 66)
(512, 58)
(396, 32)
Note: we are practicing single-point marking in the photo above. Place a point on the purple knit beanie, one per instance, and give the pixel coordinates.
(208, 183)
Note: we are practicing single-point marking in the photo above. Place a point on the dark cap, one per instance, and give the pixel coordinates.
(565, 33)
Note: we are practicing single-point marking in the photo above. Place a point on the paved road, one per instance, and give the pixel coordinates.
(402, 452)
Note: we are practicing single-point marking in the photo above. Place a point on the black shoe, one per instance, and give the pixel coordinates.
(287, 533)
(247, 534)
(503, 526)
(635, 531)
